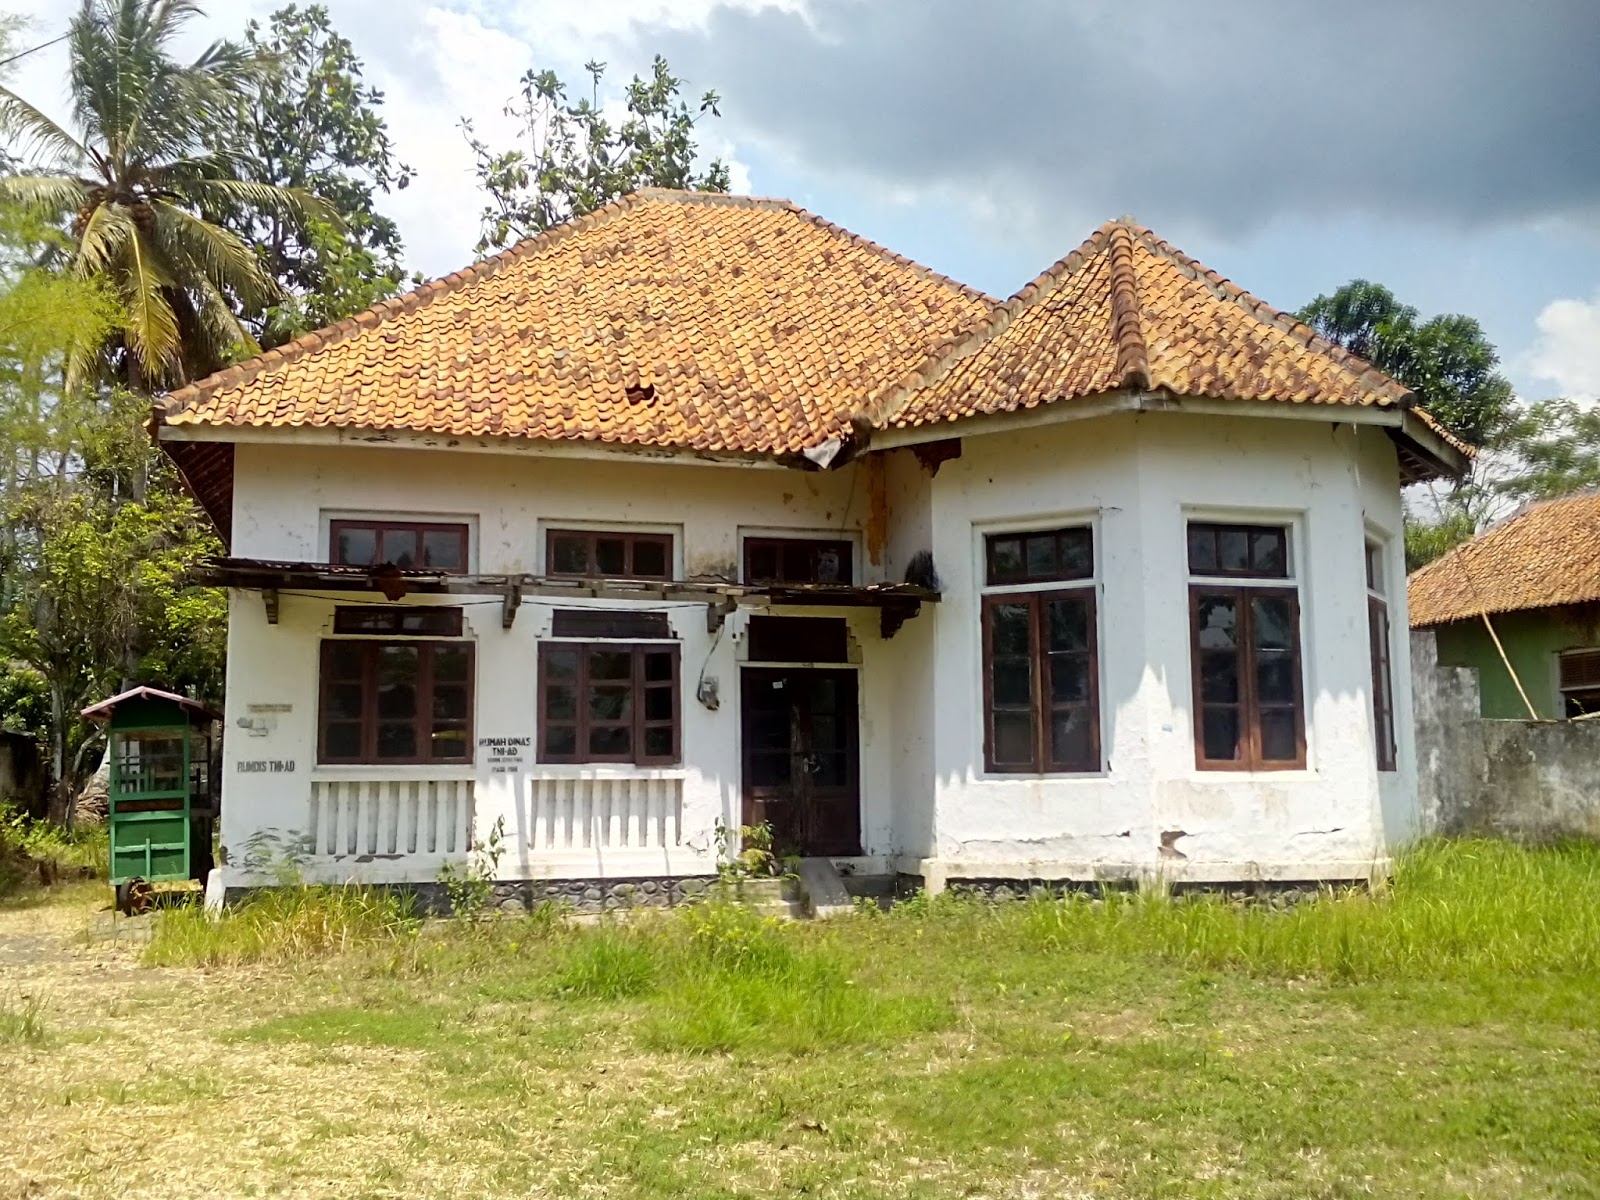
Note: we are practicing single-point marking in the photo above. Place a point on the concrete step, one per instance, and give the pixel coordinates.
(825, 893)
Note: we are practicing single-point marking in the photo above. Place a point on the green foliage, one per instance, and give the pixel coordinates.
(576, 159)
(25, 702)
(470, 887)
(36, 853)
(22, 1020)
(1556, 444)
(1427, 540)
(746, 853)
(131, 184)
(284, 924)
(1446, 360)
(312, 124)
(612, 964)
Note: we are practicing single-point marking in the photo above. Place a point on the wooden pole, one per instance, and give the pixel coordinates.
(1510, 670)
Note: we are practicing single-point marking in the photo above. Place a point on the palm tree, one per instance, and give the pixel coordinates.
(136, 181)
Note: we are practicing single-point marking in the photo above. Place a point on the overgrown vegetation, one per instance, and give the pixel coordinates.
(36, 853)
(1435, 1038)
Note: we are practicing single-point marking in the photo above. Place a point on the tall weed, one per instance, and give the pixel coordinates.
(22, 1021)
(1452, 909)
(283, 924)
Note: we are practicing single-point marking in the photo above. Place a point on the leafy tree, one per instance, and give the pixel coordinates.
(135, 181)
(311, 124)
(1445, 360)
(577, 160)
(1555, 448)
(97, 597)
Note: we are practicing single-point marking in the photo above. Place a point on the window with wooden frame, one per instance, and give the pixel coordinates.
(395, 702)
(409, 545)
(1579, 677)
(608, 702)
(1382, 671)
(1041, 694)
(607, 554)
(1249, 706)
(798, 560)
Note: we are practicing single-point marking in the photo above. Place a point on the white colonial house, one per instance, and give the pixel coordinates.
(700, 510)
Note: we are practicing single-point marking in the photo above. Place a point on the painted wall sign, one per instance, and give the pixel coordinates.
(263, 766)
(504, 754)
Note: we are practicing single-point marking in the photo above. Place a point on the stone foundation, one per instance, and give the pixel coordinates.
(576, 895)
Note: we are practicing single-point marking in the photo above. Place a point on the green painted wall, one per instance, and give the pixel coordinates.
(1532, 640)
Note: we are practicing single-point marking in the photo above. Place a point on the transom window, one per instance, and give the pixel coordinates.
(600, 554)
(411, 619)
(1057, 554)
(1246, 551)
(1382, 671)
(1041, 693)
(608, 702)
(395, 701)
(409, 545)
(1245, 649)
(798, 560)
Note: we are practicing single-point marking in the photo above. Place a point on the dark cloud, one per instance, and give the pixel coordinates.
(1225, 114)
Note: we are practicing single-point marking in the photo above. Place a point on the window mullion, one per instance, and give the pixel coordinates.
(1250, 716)
(369, 703)
(636, 701)
(422, 719)
(1037, 609)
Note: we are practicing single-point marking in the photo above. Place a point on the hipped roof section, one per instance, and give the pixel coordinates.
(734, 325)
(1545, 556)
(666, 319)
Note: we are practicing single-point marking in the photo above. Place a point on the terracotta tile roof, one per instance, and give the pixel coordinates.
(1126, 310)
(1546, 555)
(713, 322)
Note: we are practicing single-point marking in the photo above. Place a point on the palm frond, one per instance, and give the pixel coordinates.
(224, 336)
(37, 133)
(152, 327)
(214, 255)
(102, 243)
(293, 204)
(48, 196)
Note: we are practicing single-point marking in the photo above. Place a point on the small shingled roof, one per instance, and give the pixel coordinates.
(1544, 556)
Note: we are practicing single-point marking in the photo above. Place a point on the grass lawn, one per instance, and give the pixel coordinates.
(1442, 1039)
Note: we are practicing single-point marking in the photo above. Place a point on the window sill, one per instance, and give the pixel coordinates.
(335, 772)
(1040, 776)
(1293, 775)
(600, 771)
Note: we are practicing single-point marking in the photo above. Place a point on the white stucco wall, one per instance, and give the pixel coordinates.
(1138, 479)
(283, 498)
(928, 807)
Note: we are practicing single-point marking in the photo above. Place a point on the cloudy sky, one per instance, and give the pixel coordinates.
(1447, 148)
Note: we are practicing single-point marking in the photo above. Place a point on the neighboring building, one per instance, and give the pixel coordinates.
(1536, 576)
(700, 509)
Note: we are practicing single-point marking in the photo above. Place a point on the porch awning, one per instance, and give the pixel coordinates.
(895, 602)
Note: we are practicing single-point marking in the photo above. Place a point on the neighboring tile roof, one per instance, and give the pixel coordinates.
(1128, 310)
(712, 322)
(1546, 555)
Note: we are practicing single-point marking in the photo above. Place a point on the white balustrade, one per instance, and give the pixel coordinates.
(390, 817)
(608, 812)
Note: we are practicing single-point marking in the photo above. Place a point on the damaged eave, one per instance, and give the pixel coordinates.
(897, 602)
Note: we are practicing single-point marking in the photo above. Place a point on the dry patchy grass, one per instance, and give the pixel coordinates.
(1029, 1050)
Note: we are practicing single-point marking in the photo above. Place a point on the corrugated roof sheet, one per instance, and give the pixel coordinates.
(1544, 556)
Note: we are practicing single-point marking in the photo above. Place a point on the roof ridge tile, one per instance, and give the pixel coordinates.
(1133, 355)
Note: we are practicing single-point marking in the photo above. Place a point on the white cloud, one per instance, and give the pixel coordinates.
(437, 62)
(1568, 348)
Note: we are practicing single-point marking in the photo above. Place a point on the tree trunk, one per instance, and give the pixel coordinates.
(63, 804)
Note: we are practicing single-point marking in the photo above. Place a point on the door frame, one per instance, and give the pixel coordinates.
(859, 740)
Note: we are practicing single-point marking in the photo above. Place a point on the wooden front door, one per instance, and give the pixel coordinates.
(801, 758)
